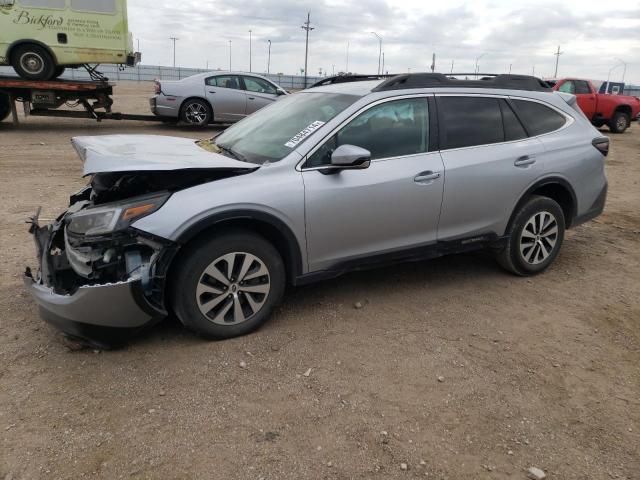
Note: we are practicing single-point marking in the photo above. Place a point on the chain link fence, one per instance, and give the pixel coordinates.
(147, 73)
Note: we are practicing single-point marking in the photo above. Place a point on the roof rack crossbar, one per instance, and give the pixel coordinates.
(432, 80)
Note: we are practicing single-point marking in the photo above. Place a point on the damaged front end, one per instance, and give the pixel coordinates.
(99, 278)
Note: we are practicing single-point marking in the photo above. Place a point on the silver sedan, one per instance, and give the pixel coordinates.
(213, 97)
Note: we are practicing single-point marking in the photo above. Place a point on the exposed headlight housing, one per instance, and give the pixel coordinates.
(114, 217)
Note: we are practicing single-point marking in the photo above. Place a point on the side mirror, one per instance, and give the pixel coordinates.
(350, 157)
(280, 91)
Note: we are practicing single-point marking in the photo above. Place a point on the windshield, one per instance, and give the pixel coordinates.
(272, 133)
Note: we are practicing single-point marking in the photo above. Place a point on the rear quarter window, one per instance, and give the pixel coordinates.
(538, 118)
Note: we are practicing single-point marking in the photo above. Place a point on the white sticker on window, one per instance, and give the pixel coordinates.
(297, 138)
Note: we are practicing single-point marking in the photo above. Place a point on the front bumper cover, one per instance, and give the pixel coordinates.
(100, 314)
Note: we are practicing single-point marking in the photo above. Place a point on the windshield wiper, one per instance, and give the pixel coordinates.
(232, 153)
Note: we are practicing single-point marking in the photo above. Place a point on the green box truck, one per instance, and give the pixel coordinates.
(39, 38)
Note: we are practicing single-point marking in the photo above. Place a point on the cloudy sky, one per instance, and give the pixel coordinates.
(592, 35)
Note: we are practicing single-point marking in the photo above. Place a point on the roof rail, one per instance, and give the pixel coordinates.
(347, 78)
(487, 80)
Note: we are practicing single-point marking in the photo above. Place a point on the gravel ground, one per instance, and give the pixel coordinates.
(452, 369)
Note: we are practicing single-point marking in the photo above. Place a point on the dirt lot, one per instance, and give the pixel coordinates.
(538, 372)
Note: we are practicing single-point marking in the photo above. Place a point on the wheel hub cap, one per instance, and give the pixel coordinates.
(539, 237)
(233, 288)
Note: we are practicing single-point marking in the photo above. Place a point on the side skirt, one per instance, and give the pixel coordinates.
(426, 252)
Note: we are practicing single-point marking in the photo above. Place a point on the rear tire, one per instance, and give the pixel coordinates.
(5, 106)
(196, 112)
(227, 285)
(32, 62)
(534, 237)
(619, 122)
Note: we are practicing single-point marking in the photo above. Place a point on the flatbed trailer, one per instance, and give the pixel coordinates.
(44, 99)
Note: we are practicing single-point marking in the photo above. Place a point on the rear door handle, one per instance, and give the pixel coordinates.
(426, 177)
(252, 98)
(525, 161)
(211, 91)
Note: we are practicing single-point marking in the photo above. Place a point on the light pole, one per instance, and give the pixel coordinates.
(620, 62)
(452, 61)
(379, 50)
(269, 57)
(306, 26)
(477, 60)
(624, 70)
(382, 70)
(510, 68)
(229, 55)
(174, 50)
(249, 51)
(346, 70)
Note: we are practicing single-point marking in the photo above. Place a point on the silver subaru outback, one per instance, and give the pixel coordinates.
(328, 180)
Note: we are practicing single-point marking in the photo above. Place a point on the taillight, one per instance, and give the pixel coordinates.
(156, 87)
(602, 144)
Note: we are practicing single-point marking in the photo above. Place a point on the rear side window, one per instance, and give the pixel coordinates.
(225, 81)
(582, 87)
(470, 121)
(537, 118)
(513, 129)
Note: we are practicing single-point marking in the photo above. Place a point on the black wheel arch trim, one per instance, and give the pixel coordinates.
(26, 41)
(294, 262)
(569, 222)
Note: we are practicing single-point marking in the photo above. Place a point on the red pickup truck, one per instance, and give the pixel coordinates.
(615, 111)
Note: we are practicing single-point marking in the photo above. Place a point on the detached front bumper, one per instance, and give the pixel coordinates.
(100, 314)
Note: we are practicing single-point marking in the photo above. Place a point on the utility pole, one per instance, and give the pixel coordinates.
(451, 66)
(249, 51)
(229, 55)
(433, 62)
(269, 57)
(333, 70)
(382, 71)
(557, 54)
(510, 68)
(346, 70)
(533, 71)
(379, 50)
(174, 49)
(307, 27)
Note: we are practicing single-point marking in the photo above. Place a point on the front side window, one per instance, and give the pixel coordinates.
(225, 81)
(391, 129)
(94, 6)
(470, 121)
(253, 84)
(538, 118)
(567, 87)
(273, 132)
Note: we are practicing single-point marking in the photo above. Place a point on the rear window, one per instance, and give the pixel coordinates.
(537, 118)
(470, 121)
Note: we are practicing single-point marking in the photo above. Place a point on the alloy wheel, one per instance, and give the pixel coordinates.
(538, 237)
(196, 113)
(233, 288)
(621, 122)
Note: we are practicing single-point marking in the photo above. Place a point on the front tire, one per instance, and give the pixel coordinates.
(619, 122)
(534, 237)
(196, 112)
(33, 62)
(228, 285)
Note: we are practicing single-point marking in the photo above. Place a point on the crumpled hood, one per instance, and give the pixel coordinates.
(122, 153)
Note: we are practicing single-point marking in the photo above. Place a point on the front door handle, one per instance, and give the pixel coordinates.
(252, 98)
(525, 161)
(426, 177)
(211, 91)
